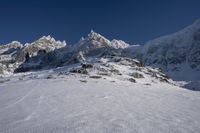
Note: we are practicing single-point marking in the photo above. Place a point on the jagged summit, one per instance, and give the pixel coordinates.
(13, 44)
(48, 40)
(98, 37)
(95, 45)
(48, 37)
(95, 39)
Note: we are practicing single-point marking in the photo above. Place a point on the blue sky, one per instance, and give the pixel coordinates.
(134, 21)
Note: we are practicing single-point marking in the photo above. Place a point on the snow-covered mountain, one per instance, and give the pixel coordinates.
(94, 51)
(95, 40)
(15, 56)
(8, 55)
(9, 50)
(177, 54)
(95, 45)
(46, 52)
(45, 44)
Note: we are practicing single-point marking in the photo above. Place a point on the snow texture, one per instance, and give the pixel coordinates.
(32, 103)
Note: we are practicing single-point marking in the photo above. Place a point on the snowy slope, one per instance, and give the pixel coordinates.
(177, 53)
(77, 103)
(108, 94)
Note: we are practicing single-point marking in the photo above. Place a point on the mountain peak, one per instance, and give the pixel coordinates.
(13, 44)
(91, 31)
(94, 35)
(49, 38)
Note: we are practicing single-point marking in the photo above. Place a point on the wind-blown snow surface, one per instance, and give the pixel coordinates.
(69, 104)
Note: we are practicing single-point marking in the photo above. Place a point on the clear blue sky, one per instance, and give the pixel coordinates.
(134, 21)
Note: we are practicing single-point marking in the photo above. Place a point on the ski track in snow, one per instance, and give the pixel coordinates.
(100, 106)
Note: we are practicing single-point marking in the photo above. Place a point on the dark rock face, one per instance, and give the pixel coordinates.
(132, 80)
(165, 56)
(194, 56)
(136, 75)
(87, 65)
(44, 60)
(79, 70)
(95, 77)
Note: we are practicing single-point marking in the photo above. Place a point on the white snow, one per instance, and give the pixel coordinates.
(77, 103)
(117, 44)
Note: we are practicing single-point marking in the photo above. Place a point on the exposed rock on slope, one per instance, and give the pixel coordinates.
(43, 45)
(118, 68)
(8, 55)
(15, 56)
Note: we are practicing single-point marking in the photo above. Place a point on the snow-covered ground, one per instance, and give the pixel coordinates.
(76, 103)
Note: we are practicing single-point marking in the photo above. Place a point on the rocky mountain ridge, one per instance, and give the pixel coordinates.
(178, 55)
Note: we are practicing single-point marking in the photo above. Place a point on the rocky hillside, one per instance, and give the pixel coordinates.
(14, 56)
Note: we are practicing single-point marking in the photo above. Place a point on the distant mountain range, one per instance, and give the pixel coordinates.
(177, 55)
